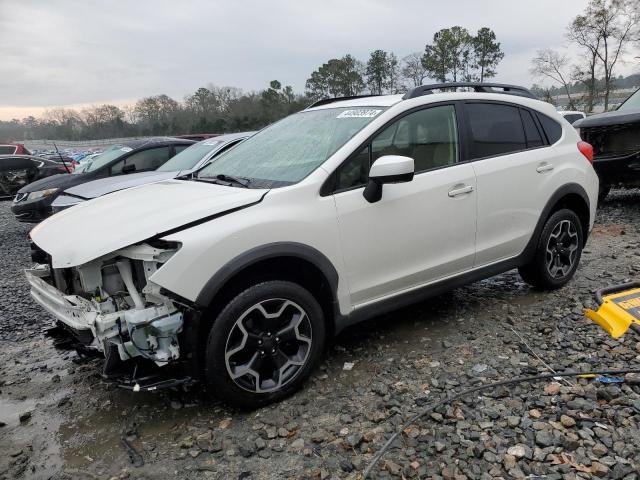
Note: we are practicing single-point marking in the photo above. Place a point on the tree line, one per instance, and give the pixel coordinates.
(454, 54)
(603, 34)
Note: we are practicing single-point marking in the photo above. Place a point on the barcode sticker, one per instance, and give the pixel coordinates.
(359, 113)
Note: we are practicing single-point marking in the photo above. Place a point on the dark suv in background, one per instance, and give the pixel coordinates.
(615, 137)
(32, 203)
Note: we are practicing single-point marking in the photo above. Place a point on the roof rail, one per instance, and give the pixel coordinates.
(476, 86)
(326, 101)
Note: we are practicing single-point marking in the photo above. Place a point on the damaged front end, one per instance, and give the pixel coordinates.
(109, 305)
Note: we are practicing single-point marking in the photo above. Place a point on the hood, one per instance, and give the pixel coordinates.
(105, 224)
(102, 186)
(618, 117)
(61, 181)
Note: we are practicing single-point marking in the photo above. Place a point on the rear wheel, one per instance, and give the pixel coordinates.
(264, 344)
(558, 252)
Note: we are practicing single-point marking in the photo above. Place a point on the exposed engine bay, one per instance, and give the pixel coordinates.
(109, 304)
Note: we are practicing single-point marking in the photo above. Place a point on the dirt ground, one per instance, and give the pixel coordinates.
(59, 420)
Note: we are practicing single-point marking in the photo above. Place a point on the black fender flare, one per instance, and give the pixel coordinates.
(264, 252)
(563, 191)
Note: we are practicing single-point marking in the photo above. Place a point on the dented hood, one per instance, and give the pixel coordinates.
(100, 226)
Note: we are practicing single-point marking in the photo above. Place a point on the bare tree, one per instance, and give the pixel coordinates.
(584, 31)
(552, 64)
(617, 24)
(413, 70)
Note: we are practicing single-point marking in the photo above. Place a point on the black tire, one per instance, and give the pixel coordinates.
(544, 272)
(227, 336)
(603, 191)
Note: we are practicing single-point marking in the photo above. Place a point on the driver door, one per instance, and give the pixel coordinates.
(420, 231)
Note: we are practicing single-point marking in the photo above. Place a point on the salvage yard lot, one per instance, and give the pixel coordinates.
(59, 420)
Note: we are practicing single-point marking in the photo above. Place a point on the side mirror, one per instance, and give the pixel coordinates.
(387, 169)
(129, 168)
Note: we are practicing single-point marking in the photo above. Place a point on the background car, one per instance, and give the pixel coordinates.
(615, 137)
(16, 171)
(33, 202)
(184, 163)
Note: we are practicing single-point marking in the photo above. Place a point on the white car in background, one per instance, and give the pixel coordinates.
(348, 209)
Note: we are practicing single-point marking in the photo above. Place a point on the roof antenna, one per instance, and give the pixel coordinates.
(61, 159)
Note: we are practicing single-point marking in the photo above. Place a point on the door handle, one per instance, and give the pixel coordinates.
(460, 191)
(544, 167)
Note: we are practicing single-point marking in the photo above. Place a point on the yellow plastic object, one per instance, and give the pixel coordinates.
(618, 312)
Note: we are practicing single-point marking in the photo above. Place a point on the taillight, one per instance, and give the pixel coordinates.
(586, 149)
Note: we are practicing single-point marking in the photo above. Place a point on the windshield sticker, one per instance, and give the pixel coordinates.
(126, 149)
(359, 113)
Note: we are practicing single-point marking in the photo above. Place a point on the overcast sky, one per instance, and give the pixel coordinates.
(74, 53)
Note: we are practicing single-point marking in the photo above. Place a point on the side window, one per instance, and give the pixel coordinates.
(8, 149)
(534, 139)
(180, 148)
(16, 163)
(429, 136)
(551, 128)
(495, 129)
(145, 160)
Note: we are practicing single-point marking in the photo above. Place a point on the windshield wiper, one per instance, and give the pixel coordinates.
(223, 179)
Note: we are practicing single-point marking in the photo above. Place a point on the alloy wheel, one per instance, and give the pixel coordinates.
(268, 345)
(562, 249)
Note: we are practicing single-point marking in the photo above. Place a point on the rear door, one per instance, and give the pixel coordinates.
(512, 163)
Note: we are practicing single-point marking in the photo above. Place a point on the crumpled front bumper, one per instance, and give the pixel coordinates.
(99, 329)
(75, 312)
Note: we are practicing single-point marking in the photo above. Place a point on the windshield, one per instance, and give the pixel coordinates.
(633, 102)
(106, 157)
(189, 157)
(289, 150)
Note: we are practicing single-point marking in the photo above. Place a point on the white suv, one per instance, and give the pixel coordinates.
(341, 212)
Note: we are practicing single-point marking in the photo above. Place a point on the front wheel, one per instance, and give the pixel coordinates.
(264, 344)
(558, 252)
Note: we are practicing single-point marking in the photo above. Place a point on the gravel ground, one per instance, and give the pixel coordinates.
(59, 420)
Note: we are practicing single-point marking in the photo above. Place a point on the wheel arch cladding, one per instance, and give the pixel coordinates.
(291, 261)
(571, 196)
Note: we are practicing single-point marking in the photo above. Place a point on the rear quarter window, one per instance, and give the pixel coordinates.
(534, 138)
(552, 129)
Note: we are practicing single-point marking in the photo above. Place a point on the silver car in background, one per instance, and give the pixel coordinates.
(184, 163)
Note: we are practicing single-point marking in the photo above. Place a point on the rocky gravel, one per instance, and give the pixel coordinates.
(59, 420)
